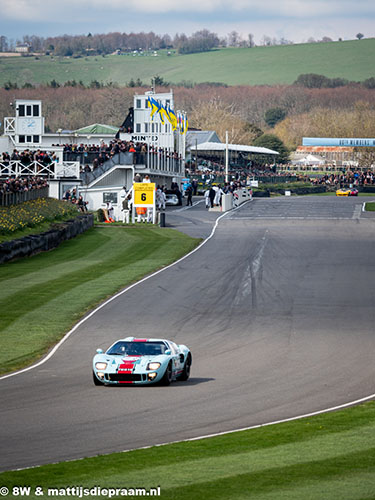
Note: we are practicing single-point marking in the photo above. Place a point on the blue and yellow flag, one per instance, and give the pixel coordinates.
(166, 113)
(172, 118)
(154, 105)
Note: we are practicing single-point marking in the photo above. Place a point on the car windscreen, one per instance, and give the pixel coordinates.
(124, 348)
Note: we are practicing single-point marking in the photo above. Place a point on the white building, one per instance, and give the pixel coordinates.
(163, 160)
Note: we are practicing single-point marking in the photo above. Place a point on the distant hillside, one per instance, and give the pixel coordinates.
(353, 60)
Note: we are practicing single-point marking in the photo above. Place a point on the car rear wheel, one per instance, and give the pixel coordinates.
(167, 377)
(96, 380)
(186, 371)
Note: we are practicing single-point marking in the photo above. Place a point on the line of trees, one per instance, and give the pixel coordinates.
(79, 45)
(267, 108)
(109, 43)
(309, 81)
(314, 81)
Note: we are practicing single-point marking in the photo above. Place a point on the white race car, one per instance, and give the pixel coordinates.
(142, 361)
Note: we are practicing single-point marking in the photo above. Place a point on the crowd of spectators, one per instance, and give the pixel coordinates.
(26, 157)
(17, 185)
(21, 184)
(93, 156)
(355, 178)
(217, 169)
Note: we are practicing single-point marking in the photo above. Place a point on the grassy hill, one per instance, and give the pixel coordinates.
(353, 60)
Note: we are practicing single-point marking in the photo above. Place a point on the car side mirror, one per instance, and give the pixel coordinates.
(99, 351)
(168, 352)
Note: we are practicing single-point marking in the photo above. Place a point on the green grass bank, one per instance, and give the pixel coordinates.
(51, 291)
(353, 60)
(330, 456)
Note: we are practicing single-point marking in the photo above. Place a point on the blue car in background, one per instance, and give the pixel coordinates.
(142, 362)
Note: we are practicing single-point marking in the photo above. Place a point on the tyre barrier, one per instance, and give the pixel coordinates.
(35, 243)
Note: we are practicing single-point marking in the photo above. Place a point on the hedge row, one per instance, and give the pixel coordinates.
(29, 245)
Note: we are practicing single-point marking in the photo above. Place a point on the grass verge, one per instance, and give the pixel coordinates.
(370, 207)
(330, 456)
(49, 292)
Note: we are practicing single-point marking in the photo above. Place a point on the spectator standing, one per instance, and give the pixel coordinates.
(211, 195)
(218, 194)
(189, 194)
(126, 209)
(207, 198)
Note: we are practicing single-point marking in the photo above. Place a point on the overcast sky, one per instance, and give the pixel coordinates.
(295, 20)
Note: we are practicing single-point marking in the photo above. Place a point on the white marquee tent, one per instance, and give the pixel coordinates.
(310, 160)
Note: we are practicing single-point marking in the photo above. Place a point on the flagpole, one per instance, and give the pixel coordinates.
(226, 157)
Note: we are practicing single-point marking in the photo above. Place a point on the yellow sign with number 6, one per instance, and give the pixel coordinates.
(144, 194)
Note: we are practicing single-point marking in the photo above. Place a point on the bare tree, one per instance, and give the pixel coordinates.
(233, 39)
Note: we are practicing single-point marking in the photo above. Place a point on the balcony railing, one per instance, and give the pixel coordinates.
(156, 163)
(52, 170)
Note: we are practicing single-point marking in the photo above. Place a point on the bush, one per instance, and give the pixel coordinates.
(274, 115)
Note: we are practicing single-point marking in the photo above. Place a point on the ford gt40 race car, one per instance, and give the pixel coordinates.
(141, 361)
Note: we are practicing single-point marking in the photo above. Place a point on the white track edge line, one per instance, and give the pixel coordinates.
(206, 436)
(69, 333)
(216, 434)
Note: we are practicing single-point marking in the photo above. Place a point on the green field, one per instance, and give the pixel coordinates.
(326, 457)
(51, 291)
(353, 60)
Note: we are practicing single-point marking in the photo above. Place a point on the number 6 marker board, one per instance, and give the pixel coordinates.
(144, 196)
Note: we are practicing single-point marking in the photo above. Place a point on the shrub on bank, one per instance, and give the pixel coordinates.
(34, 212)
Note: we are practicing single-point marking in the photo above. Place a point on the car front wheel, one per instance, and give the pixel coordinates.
(167, 377)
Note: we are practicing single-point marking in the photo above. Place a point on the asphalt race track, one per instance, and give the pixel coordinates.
(277, 308)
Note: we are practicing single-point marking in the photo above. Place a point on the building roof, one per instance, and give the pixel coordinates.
(97, 128)
(218, 147)
(194, 137)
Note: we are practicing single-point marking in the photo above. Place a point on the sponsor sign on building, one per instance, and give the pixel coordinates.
(345, 141)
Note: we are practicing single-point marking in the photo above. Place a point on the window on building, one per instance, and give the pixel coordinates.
(35, 109)
(29, 138)
(138, 128)
(21, 110)
(146, 128)
(139, 103)
(35, 138)
(28, 110)
(112, 197)
(21, 138)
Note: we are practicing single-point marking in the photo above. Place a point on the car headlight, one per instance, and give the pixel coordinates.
(153, 366)
(100, 366)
